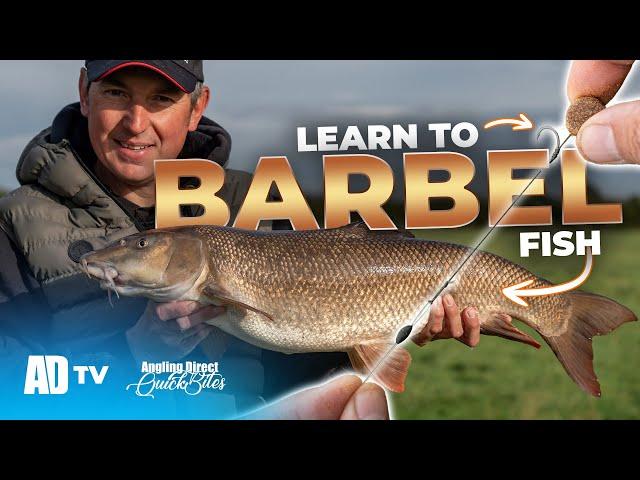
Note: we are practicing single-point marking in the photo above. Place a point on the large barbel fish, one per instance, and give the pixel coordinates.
(346, 289)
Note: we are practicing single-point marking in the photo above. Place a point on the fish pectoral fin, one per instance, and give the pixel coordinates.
(500, 325)
(392, 372)
(356, 362)
(226, 299)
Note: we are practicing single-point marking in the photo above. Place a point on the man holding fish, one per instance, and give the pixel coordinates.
(88, 181)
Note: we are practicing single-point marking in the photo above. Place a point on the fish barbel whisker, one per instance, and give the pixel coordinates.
(111, 285)
(85, 268)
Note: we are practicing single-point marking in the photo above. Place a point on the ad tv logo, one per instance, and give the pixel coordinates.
(49, 375)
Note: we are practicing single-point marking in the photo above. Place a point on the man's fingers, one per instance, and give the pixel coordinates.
(201, 332)
(433, 325)
(452, 316)
(597, 78)
(471, 327)
(176, 309)
(368, 403)
(199, 316)
(196, 335)
(612, 135)
(326, 402)
(446, 321)
(436, 318)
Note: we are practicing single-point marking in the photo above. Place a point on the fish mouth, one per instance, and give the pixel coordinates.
(106, 272)
(109, 275)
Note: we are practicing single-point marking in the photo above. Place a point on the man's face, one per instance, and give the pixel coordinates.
(136, 116)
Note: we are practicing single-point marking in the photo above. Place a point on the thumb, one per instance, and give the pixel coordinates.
(612, 135)
(325, 402)
(368, 403)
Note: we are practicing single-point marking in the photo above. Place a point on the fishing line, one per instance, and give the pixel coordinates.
(405, 331)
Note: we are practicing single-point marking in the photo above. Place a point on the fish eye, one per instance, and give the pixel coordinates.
(143, 243)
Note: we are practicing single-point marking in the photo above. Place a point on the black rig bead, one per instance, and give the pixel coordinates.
(403, 334)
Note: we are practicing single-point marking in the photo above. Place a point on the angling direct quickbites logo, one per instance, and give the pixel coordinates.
(192, 378)
(49, 375)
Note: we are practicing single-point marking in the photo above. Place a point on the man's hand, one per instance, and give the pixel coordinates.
(446, 321)
(170, 331)
(343, 398)
(610, 136)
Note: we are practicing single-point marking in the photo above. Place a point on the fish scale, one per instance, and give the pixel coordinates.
(324, 289)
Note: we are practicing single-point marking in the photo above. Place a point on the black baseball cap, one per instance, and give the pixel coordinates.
(184, 74)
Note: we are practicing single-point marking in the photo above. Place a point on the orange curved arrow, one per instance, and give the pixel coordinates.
(516, 292)
(523, 124)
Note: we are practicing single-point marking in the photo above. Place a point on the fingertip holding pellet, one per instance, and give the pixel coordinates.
(580, 111)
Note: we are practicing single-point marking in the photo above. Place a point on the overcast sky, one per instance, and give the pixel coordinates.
(262, 102)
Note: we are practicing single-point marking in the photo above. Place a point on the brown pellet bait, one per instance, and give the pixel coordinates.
(580, 111)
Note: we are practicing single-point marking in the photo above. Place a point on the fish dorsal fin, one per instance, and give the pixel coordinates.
(360, 229)
(392, 372)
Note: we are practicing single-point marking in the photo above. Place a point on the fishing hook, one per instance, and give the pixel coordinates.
(559, 145)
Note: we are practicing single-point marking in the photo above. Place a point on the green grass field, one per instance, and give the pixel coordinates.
(500, 379)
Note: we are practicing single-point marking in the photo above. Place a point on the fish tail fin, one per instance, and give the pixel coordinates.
(591, 315)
